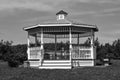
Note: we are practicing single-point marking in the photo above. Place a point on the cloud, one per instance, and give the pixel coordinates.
(108, 1)
(45, 5)
(24, 4)
(79, 13)
(108, 12)
(111, 10)
(103, 1)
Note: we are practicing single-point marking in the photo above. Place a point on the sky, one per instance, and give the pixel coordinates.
(16, 14)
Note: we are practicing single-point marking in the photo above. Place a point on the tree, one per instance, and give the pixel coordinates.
(5, 47)
(116, 47)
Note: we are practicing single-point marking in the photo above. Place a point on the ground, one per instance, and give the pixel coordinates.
(83, 73)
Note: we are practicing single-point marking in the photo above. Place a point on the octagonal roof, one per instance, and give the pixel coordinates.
(63, 22)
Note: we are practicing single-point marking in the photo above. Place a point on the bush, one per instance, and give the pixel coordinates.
(17, 55)
(13, 63)
(99, 62)
(17, 59)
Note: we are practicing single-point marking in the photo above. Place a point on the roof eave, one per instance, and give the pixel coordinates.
(94, 27)
(46, 25)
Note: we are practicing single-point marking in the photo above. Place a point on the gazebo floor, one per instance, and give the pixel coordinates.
(56, 64)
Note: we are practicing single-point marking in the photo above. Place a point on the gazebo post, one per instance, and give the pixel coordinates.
(70, 46)
(28, 46)
(41, 39)
(92, 44)
(41, 48)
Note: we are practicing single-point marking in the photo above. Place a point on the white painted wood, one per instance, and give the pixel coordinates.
(62, 64)
(41, 51)
(92, 44)
(28, 47)
(46, 25)
(41, 38)
(56, 60)
(65, 24)
(81, 53)
(56, 64)
(60, 16)
(78, 63)
(34, 63)
(35, 52)
(70, 46)
(84, 48)
(69, 67)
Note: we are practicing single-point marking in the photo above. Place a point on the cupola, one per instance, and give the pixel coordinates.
(61, 15)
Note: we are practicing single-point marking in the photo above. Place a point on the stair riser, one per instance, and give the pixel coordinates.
(50, 64)
(55, 64)
(55, 67)
(34, 63)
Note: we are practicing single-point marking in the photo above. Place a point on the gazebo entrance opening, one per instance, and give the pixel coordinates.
(56, 49)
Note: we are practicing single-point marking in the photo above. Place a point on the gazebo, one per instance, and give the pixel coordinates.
(75, 55)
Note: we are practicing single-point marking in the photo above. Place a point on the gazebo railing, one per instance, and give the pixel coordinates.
(35, 52)
(81, 52)
(78, 52)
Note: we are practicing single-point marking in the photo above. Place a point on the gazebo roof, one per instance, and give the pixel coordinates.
(62, 12)
(62, 22)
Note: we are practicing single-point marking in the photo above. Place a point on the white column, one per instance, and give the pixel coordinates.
(92, 44)
(70, 46)
(41, 49)
(41, 38)
(28, 47)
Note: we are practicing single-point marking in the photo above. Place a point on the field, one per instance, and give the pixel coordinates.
(82, 73)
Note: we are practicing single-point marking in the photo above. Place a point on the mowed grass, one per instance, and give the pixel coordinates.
(82, 73)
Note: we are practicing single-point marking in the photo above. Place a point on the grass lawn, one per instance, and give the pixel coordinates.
(83, 73)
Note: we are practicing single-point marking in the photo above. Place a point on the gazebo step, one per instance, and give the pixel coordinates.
(56, 64)
(54, 67)
(51, 64)
(34, 63)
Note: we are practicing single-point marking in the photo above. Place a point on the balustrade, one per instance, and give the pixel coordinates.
(81, 52)
(35, 52)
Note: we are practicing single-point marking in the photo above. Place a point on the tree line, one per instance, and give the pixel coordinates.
(15, 55)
